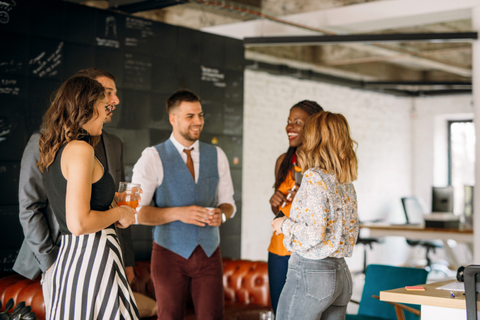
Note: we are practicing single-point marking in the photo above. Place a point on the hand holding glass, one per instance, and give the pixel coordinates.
(289, 195)
(210, 209)
(128, 194)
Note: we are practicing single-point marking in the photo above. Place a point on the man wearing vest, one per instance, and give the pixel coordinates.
(185, 177)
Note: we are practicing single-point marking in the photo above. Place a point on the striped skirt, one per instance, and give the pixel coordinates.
(89, 280)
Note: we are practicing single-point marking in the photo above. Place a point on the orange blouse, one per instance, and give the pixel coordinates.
(276, 243)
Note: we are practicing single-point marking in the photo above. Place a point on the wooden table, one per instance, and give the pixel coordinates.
(436, 304)
(419, 232)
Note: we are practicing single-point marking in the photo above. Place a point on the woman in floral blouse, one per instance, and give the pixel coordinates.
(323, 224)
(285, 169)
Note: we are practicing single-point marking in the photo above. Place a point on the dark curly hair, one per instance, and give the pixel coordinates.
(310, 107)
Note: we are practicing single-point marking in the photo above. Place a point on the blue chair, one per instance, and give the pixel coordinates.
(379, 278)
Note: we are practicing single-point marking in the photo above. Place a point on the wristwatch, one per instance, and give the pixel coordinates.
(224, 217)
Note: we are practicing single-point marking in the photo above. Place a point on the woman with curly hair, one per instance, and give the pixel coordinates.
(323, 224)
(89, 280)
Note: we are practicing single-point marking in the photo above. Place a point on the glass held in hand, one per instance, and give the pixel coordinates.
(210, 209)
(289, 195)
(128, 194)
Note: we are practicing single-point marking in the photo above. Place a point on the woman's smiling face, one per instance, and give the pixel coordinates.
(296, 121)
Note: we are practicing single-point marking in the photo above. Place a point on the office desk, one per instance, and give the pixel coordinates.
(435, 304)
(419, 232)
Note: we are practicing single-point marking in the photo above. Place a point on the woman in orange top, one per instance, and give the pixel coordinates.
(284, 182)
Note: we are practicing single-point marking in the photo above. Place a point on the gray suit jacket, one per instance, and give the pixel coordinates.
(42, 235)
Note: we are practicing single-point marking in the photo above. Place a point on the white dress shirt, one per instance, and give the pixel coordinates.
(148, 171)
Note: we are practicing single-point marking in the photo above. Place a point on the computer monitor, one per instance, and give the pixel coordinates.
(413, 210)
(442, 199)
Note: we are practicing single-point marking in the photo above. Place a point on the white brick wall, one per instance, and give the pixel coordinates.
(430, 143)
(380, 124)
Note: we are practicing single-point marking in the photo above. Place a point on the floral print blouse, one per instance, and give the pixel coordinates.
(323, 220)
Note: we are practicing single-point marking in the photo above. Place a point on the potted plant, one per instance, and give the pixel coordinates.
(19, 312)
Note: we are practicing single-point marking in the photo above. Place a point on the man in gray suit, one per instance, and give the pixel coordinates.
(42, 236)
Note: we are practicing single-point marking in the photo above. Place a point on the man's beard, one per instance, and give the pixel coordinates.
(187, 136)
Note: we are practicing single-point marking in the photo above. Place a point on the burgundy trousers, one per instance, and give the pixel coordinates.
(174, 275)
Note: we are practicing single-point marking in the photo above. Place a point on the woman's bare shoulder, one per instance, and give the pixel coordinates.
(281, 157)
(78, 148)
(278, 163)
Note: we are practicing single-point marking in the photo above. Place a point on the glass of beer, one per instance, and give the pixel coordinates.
(128, 194)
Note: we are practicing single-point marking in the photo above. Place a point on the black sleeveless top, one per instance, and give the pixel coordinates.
(103, 190)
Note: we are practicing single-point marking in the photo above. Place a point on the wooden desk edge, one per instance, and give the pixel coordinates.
(430, 297)
(421, 227)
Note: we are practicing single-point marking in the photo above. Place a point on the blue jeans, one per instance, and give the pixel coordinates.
(277, 274)
(315, 289)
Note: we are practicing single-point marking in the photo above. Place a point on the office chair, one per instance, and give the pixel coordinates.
(379, 278)
(366, 242)
(470, 280)
(414, 215)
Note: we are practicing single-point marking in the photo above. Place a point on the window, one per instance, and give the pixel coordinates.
(461, 160)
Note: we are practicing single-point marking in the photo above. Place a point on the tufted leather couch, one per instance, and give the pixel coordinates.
(245, 284)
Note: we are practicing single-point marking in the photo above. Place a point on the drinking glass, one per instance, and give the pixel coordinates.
(128, 194)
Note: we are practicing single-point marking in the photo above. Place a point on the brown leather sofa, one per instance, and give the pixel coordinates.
(245, 284)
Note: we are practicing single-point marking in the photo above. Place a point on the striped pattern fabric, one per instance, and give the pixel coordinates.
(89, 280)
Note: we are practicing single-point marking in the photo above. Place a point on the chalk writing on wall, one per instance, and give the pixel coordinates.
(110, 35)
(5, 7)
(45, 64)
(9, 86)
(137, 72)
(5, 128)
(213, 75)
(233, 119)
(108, 43)
(141, 28)
(10, 66)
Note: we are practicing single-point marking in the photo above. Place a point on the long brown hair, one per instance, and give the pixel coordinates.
(327, 145)
(310, 107)
(72, 107)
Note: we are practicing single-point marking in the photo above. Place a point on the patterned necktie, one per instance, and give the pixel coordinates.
(190, 162)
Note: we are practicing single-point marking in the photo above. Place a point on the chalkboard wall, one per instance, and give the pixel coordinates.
(43, 43)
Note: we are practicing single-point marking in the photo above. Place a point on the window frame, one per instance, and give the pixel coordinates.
(449, 140)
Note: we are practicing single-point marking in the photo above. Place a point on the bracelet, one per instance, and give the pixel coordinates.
(282, 224)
